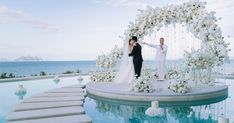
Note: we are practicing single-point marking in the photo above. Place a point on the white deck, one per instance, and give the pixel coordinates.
(64, 119)
(116, 91)
(59, 94)
(75, 86)
(45, 105)
(62, 105)
(45, 113)
(66, 90)
(53, 99)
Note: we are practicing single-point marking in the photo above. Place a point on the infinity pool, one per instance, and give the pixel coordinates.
(109, 111)
(104, 111)
(8, 97)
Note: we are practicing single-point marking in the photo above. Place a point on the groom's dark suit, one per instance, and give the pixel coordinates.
(137, 59)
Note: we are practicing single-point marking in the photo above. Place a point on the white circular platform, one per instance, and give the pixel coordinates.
(115, 91)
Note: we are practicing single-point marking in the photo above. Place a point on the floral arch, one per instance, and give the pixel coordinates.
(196, 19)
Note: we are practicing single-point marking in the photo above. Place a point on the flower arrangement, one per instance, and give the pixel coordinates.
(203, 76)
(200, 59)
(196, 19)
(172, 74)
(180, 86)
(142, 84)
(102, 76)
(109, 60)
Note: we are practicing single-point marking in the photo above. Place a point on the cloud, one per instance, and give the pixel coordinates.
(10, 15)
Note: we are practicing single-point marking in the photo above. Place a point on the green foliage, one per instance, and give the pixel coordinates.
(78, 71)
(42, 73)
(68, 72)
(5, 76)
(33, 74)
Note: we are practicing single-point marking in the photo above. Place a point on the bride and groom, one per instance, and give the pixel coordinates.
(132, 60)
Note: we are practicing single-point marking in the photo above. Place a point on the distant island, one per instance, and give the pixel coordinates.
(29, 58)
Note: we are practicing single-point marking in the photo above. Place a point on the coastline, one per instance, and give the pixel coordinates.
(222, 76)
(41, 77)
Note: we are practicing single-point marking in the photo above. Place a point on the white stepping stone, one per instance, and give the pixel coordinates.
(45, 113)
(59, 94)
(45, 105)
(66, 90)
(53, 99)
(64, 119)
(75, 86)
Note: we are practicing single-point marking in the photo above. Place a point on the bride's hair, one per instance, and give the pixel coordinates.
(129, 42)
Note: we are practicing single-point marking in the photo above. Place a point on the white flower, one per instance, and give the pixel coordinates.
(180, 86)
(109, 60)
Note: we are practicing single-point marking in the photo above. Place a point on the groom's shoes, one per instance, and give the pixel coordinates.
(137, 76)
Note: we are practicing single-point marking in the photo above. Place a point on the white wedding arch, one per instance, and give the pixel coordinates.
(196, 19)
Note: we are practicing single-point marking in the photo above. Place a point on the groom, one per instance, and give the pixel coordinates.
(137, 57)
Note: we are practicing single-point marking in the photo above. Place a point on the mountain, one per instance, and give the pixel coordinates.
(29, 58)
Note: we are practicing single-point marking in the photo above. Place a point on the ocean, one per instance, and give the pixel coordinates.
(52, 67)
(55, 67)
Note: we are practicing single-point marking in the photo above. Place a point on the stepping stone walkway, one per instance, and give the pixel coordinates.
(59, 94)
(62, 105)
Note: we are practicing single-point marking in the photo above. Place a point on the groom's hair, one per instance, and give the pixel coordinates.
(134, 38)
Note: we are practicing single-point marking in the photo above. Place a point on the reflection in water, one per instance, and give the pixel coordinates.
(80, 78)
(130, 114)
(176, 114)
(20, 92)
(56, 80)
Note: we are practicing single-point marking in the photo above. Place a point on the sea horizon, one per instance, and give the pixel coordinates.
(29, 68)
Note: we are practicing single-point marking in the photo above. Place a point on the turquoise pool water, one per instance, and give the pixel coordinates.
(7, 90)
(107, 111)
(116, 112)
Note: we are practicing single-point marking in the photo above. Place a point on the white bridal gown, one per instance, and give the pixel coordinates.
(125, 73)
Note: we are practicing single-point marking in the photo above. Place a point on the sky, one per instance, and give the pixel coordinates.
(81, 29)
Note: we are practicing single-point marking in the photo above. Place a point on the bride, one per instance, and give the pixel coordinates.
(125, 74)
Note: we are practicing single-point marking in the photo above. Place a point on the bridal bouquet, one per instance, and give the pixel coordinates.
(180, 86)
(142, 84)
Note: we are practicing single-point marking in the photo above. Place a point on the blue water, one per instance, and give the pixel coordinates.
(112, 112)
(28, 68)
(53, 67)
(106, 111)
(102, 111)
(7, 90)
